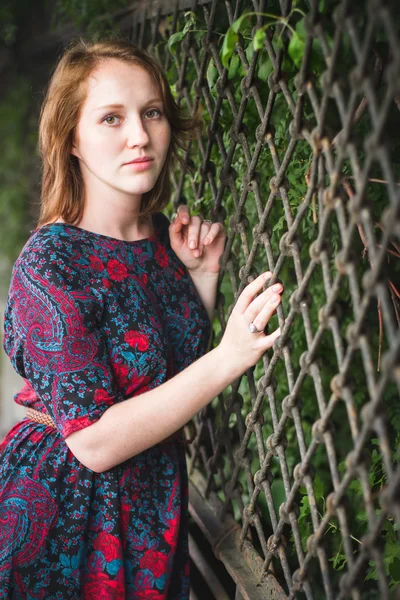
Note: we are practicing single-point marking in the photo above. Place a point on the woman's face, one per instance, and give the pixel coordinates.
(108, 137)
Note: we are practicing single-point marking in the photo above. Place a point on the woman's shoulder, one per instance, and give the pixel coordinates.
(48, 249)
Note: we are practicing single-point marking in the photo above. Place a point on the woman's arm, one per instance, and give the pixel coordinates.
(206, 285)
(135, 424)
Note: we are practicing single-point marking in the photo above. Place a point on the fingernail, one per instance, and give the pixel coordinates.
(192, 244)
(276, 287)
(274, 299)
(267, 275)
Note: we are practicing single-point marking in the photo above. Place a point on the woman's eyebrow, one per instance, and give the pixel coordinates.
(123, 106)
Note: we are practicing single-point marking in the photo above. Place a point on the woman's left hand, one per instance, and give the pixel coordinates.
(209, 239)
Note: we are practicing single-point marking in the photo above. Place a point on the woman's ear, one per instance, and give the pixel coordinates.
(75, 151)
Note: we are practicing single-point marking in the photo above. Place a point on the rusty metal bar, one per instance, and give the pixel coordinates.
(206, 571)
(243, 566)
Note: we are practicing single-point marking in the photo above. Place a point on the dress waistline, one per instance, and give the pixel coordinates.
(45, 419)
(40, 417)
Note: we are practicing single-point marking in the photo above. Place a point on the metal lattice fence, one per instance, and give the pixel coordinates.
(298, 459)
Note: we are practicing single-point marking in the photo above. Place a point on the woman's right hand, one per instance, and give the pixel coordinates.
(241, 347)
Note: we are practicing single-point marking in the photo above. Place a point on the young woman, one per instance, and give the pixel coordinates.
(108, 318)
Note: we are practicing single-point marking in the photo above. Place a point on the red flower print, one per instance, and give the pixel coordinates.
(155, 561)
(107, 283)
(144, 278)
(109, 545)
(148, 595)
(96, 263)
(138, 384)
(102, 588)
(125, 516)
(76, 425)
(171, 534)
(120, 373)
(161, 256)
(116, 270)
(101, 396)
(134, 338)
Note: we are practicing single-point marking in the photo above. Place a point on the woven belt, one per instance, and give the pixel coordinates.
(40, 417)
(45, 419)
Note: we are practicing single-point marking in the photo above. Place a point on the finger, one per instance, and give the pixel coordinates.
(177, 224)
(184, 213)
(212, 233)
(204, 230)
(264, 315)
(250, 290)
(194, 231)
(268, 340)
(182, 217)
(259, 301)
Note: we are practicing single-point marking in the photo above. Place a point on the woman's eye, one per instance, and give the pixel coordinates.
(110, 117)
(152, 111)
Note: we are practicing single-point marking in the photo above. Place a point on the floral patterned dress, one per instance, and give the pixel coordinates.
(91, 321)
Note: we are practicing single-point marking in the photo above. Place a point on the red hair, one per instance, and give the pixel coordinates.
(62, 191)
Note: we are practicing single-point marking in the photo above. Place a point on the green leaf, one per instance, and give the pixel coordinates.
(301, 30)
(237, 25)
(362, 516)
(173, 90)
(249, 51)
(392, 549)
(356, 487)
(174, 41)
(373, 574)
(265, 69)
(212, 74)
(304, 508)
(233, 66)
(296, 49)
(228, 47)
(318, 488)
(338, 561)
(259, 39)
(191, 20)
(394, 569)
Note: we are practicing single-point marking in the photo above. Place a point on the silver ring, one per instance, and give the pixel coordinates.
(253, 328)
(207, 221)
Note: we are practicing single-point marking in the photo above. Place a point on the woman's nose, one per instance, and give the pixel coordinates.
(137, 135)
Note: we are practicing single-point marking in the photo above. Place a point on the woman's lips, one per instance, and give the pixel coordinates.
(139, 166)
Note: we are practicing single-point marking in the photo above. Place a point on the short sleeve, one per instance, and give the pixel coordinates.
(53, 340)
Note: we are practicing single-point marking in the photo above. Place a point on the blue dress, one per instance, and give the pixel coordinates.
(90, 321)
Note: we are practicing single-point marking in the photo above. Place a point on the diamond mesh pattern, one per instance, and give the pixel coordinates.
(298, 160)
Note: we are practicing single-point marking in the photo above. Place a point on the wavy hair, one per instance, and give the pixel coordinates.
(62, 186)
